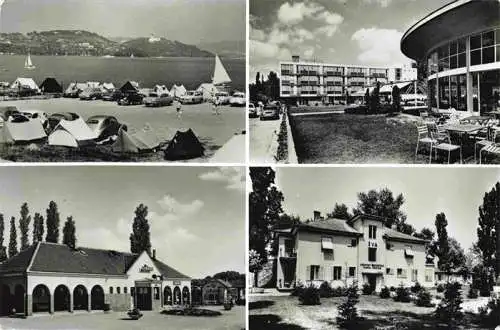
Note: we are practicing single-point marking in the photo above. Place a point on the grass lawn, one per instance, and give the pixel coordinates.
(341, 138)
(285, 312)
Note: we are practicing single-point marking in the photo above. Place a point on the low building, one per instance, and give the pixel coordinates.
(217, 291)
(360, 250)
(49, 278)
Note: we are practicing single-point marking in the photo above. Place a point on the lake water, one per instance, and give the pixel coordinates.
(190, 72)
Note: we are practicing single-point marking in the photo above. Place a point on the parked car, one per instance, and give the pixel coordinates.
(252, 111)
(223, 97)
(270, 111)
(91, 94)
(158, 100)
(37, 114)
(192, 97)
(73, 93)
(55, 118)
(238, 100)
(131, 99)
(114, 95)
(104, 126)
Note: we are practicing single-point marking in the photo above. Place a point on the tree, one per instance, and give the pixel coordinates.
(24, 222)
(382, 203)
(257, 79)
(340, 211)
(273, 85)
(140, 239)
(449, 309)
(347, 311)
(456, 256)
(52, 223)
(367, 97)
(427, 234)
(38, 228)
(442, 247)
(254, 265)
(489, 217)
(13, 238)
(396, 98)
(3, 250)
(375, 99)
(265, 209)
(69, 233)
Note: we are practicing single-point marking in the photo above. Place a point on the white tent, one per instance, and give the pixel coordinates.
(208, 90)
(178, 91)
(25, 131)
(76, 86)
(161, 89)
(93, 84)
(107, 86)
(26, 83)
(71, 133)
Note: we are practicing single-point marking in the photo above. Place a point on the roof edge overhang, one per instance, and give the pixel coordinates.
(327, 231)
(40, 273)
(405, 240)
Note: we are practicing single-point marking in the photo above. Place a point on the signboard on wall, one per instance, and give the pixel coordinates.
(146, 269)
(177, 282)
(372, 266)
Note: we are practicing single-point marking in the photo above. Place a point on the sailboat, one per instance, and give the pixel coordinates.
(28, 65)
(132, 55)
(220, 77)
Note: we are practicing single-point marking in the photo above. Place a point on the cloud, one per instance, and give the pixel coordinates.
(379, 46)
(172, 206)
(309, 52)
(382, 3)
(290, 14)
(232, 177)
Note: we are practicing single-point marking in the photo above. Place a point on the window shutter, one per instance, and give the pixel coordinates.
(332, 270)
(308, 273)
(322, 273)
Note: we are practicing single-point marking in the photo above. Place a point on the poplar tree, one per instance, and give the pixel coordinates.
(38, 229)
(24, 222)
(3, 250)
(442, 249)
(140, 239)
(13, 238)
(69, 233)
(52, 223)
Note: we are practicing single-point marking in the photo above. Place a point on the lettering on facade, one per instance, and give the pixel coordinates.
(146, 269)
(372, 266)
(177, 282)
(372, 244)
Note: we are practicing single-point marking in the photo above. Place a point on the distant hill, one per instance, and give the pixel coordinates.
(85, 43)
(235, 49)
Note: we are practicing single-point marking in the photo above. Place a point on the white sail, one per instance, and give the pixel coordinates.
(27, 63)
(220, 74)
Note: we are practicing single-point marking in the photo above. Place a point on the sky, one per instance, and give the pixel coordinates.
(458, 192)
(362, 32)
(196, 214)
(188, 21)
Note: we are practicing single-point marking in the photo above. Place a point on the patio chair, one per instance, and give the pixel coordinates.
(481, 142)
(493, 148)
(444, 146)
(424, 138)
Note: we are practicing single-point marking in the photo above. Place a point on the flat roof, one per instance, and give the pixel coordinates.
(452, 21)
(337, 65)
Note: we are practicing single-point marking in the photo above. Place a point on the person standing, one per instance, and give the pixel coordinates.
(178, 107)
(214, 105)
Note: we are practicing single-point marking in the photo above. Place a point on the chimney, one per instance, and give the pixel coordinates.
(317, 215)
(154, 254)
(295, 58)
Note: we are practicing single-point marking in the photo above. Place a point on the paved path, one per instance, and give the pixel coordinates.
(263, 140)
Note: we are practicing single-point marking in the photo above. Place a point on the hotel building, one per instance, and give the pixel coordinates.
(343, 252)
(52, 278)
(312, 82)
(460, 43)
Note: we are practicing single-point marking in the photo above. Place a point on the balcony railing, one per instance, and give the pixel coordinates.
(356, 74)
(333, 74)
(286, 72)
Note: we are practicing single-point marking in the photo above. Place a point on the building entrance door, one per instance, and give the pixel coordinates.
(143, 298)
(372, 281)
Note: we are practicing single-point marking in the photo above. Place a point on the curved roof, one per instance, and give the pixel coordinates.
(454, 20)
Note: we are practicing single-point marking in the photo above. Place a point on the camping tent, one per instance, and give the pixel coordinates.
(184, 145)
(50, 85)
(161, 89)
(75, 86)
(23, 130)
(93, 84)
(25, 83)
(208, 90)
(130, 87)
(141, 141)
(178, 91)
(71, 133)
(106, 87)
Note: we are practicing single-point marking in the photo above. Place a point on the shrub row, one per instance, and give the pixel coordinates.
(282, 152)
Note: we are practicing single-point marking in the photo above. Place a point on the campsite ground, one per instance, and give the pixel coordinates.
(229, 320)
(213, 131)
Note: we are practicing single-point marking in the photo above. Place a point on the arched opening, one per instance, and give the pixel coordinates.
(196, 296)
(167, 296)
(177, 296)
(19, 298)
(97, 298)
(41, 299)
(6, 301)
(186, 299)
(61, 298)
(80, 298)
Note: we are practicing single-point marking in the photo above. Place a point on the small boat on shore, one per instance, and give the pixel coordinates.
(28, 64)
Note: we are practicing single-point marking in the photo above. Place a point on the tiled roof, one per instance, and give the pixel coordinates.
(331, 224)
(391, 233)
(18, 263)
(168, 271)
(62, 259)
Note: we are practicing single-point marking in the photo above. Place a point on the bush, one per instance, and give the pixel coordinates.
(297, 290)
(385, 293)
(189, 311)
(309, 296)
(402, 294)
(473, 293)
(347, 311)
(339, 292)
(367, 289)
(423, 298)
(282, 152)
(440, 288)
(325, 290)
(490, 314)
(357, 110)
(416, 288)
(392, 289)
(449, 310)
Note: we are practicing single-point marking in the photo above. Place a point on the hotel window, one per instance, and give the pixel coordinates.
(372, 232)
(401, 273)
(125, 290)
(428, 275)
(352, 271)
(337, 273)
(157, 293)
(414, 275)
(389, 271)
(372, 254)
(118, 290)
(110, 290)
(313, 272)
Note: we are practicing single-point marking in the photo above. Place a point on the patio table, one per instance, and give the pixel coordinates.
(463, 130)
(481, 120)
